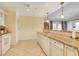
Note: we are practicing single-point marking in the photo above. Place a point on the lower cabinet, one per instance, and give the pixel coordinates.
(0, 46)
(51, 47)
(39, 38)
(45, 45)
(56, 48)
(5, 43)
(69, 51)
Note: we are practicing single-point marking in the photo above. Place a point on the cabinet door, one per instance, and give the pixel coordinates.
(45, 45)
(0, 46)
(70, 51)
(5, 43)
(56, 48)
(56, 51)
(39, 37)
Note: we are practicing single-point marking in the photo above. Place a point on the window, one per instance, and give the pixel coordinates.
(57, 26)
(71, 24)
(77, 25)
(54, 26)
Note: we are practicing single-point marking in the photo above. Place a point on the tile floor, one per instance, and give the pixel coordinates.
(25, 48)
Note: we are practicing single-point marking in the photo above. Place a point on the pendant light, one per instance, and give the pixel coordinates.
(62, 16)
(27, 7)
(47, 18)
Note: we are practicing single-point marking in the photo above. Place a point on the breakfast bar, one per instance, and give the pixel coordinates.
(69, 45)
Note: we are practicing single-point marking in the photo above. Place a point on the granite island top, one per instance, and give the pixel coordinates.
(4, 33)
(4, 30)
(63, 37)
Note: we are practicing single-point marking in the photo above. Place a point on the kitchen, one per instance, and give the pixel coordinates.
(39, 29)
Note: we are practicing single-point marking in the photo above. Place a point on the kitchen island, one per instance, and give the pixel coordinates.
(60, 43)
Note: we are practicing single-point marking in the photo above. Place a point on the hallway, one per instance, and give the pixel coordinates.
(25, 48)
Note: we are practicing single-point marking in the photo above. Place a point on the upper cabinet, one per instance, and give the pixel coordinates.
(2, 17)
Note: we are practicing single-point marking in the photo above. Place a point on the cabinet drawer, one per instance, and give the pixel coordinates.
(56, 43)
(56, 48)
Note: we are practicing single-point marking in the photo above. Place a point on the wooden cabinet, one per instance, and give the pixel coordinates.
(44, 43)
(39, 38)
(56, 48)
(70, 51)
(46, 25)
(0, 46)
(5, 43)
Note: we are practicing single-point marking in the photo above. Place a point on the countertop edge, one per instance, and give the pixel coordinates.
(59, 41)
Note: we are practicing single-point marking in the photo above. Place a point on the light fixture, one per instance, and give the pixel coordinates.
(47, 18)
(47, 21)
(27, 7)
(62, 16)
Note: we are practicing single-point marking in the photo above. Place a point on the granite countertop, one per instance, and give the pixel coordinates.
(4, 33)
(63, 37)
(4, 30)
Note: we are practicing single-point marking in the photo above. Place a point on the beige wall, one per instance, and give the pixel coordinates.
(29, 26)
(11, 24)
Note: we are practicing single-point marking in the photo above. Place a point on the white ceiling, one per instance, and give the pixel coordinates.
(70, 11)
(36, 8)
